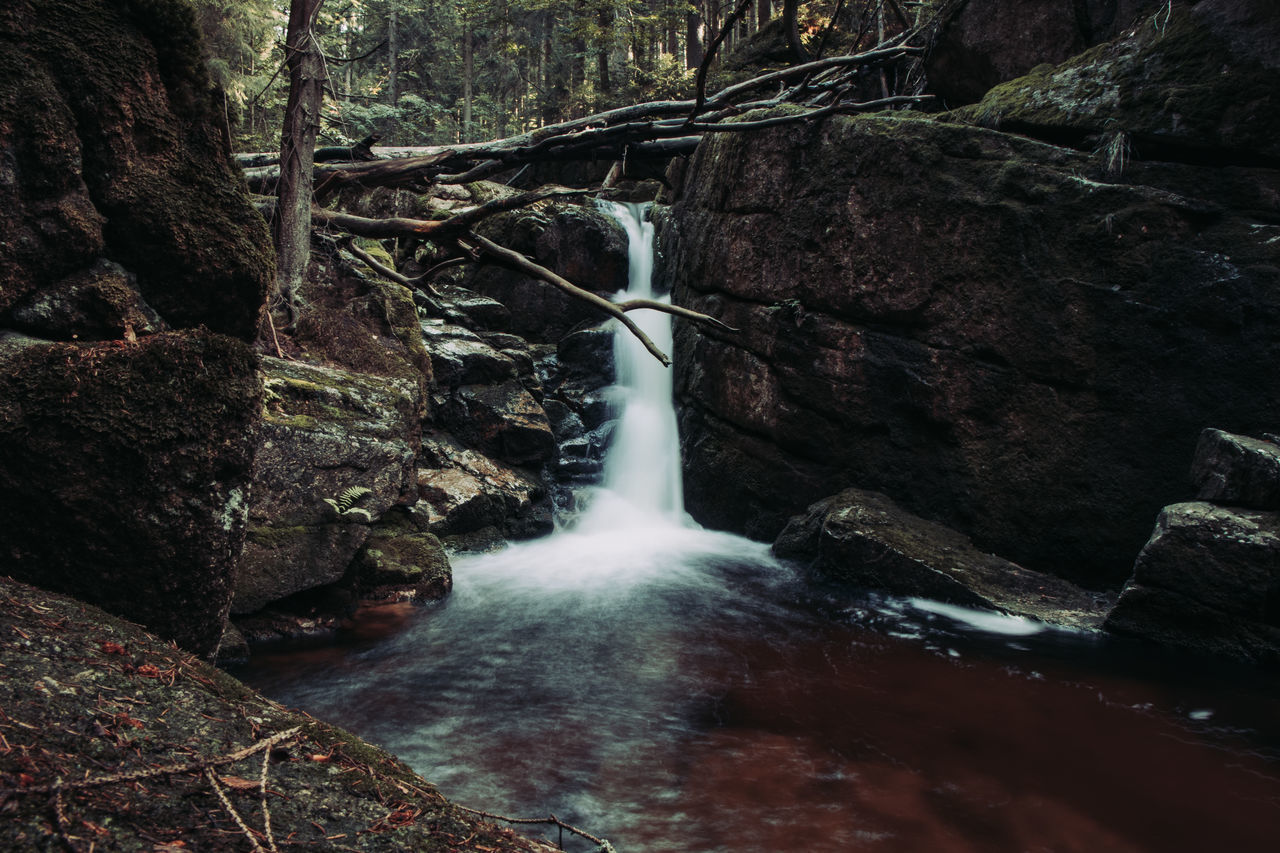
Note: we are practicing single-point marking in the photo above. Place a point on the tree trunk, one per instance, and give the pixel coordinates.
(605, 20)
(693, 40)
(291, 225)
(393, 48)
(468, 80)
(764, 11)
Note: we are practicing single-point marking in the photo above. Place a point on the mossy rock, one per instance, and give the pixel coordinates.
(1177, 84)
(124, 474)
(91, 697)
(114, 133)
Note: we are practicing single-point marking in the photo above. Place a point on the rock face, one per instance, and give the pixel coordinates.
(991, 41)
(324, 431)
(125, 472)
(863, 538)
(110, 147)
(984, 327)
(127, 449)
(1209, 577)
(1187, 84)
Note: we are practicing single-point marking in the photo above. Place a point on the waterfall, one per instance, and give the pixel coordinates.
(642, 475)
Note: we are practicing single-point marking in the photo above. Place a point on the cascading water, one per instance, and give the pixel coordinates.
(642, 469)
(675, 689)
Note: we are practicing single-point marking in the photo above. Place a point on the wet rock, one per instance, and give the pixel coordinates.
(976, 324)
(1237, 470)
(579, 243)
(325, 431)
(125, 472)
(501, 420)
(461, 357)
(101, 303)
(402, 554)
(863, 538)
(1209, 580)
(463, 491)
(481, 312)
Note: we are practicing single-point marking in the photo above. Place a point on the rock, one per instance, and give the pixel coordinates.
(501, 420)
(991, 41)
(1183, 84)
(1237, 470)
(863, 538)
(461, 357)
(400, 554)
(464, 491)
(359, 323)
(579, 243)
(111, 147)
(481, 311)
(324, 431)
(976, 324)
(101, 303)
(125, 473)
(90, 697)
(1209, 580)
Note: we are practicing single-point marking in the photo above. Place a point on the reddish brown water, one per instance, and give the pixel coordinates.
(695, 698)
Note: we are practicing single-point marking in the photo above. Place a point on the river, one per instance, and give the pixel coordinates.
(675, 689)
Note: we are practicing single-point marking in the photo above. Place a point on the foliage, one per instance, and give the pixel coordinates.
(400, 68)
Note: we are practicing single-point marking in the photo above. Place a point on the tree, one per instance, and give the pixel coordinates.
(652, 129)
(291, 226)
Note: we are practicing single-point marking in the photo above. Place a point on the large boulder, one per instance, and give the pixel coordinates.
(990, 41)
(981, 326)
(325, 432)
(124, 733)
(1237, 470)
(1198, 83)
(864, 539)
(1208, 580)
(111, 147)
(126, 463)
(125, 472)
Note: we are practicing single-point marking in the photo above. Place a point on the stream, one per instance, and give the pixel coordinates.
(671, 688)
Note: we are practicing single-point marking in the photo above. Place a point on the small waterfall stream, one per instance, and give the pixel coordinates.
(675, 689)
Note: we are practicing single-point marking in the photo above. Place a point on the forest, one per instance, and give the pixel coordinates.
(426, 72)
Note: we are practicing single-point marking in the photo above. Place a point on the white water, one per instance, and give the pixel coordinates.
(642, 470)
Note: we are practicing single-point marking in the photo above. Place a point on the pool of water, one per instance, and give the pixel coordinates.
(671, 689)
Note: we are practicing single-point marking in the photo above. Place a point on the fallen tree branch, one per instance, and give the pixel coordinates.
(618, 310)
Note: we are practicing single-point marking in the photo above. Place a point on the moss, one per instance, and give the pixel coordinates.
(113, 700)
(134, 124)
(123, 468)
(268, 536)
(1172, 81)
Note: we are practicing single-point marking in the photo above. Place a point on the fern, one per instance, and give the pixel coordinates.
(347, 500)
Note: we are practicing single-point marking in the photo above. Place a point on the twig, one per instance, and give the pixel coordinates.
(231, 810)
(701, 81)
(152, 772)
(262, 793)
(552, 820)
